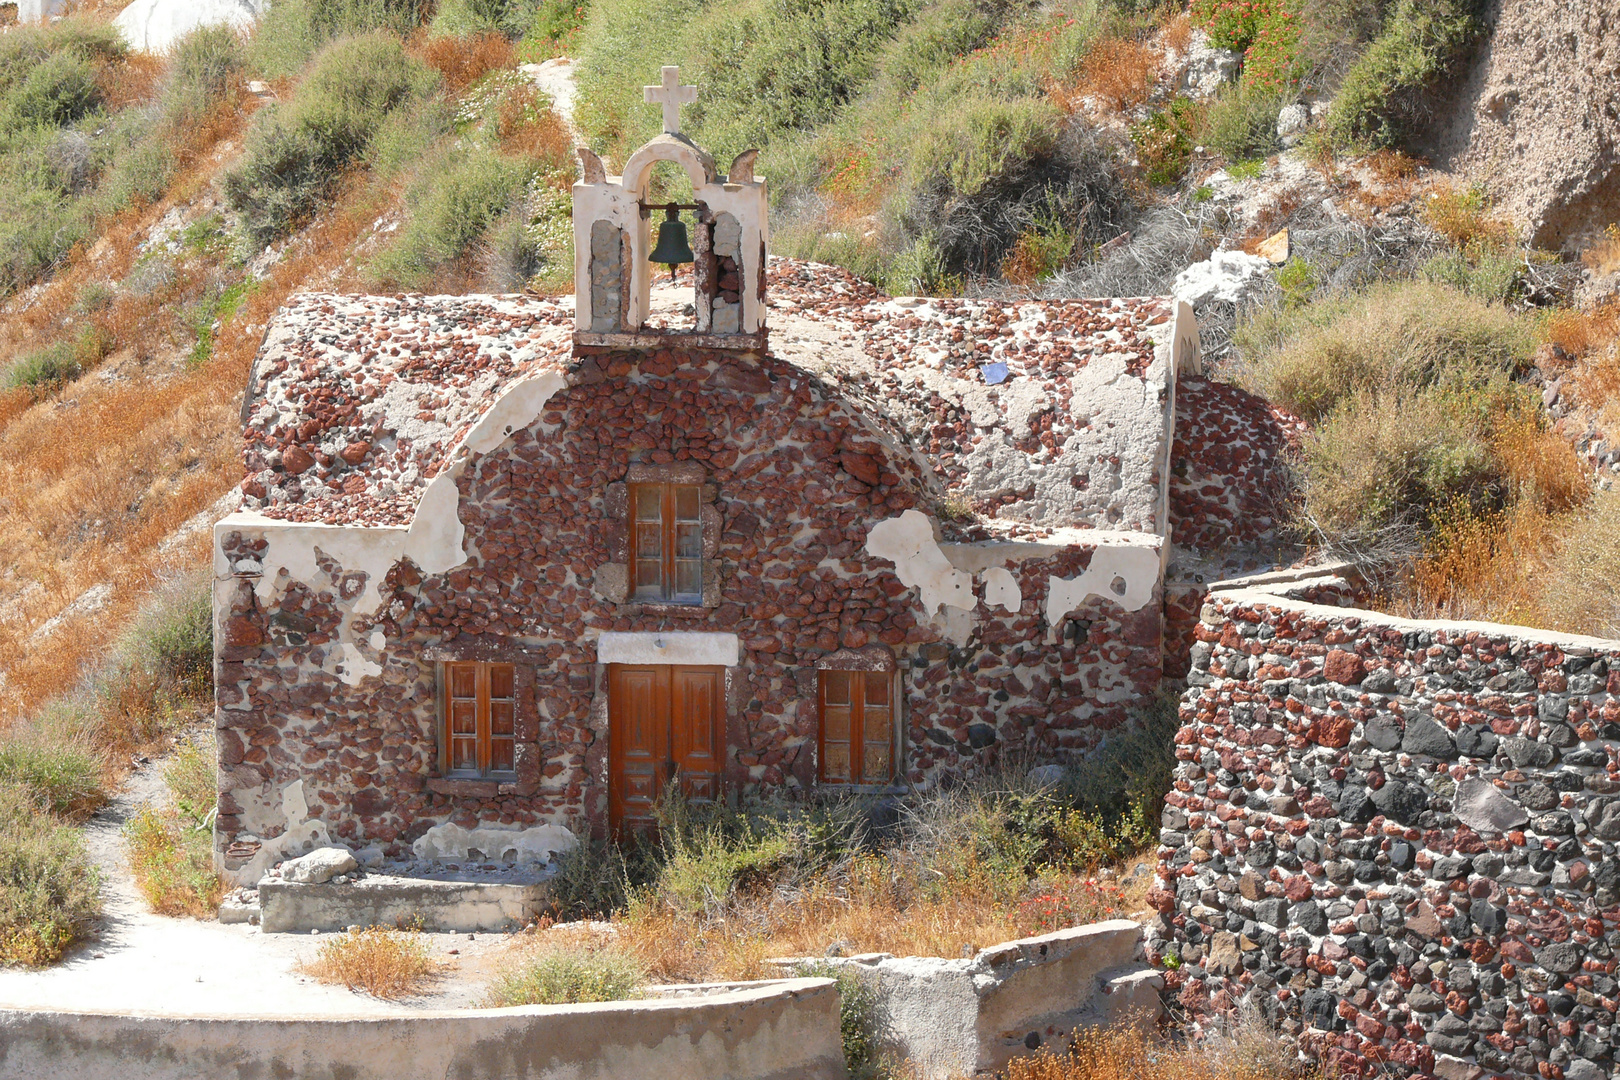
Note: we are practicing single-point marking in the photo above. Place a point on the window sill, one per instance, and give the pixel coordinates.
(649, 607)
(481, 787)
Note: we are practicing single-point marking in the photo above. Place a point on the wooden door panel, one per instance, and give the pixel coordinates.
(695, 695)
(662, 720)
(638, 742)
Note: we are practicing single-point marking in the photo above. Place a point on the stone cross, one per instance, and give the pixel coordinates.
(671, 95)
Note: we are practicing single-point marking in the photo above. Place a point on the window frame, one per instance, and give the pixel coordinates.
(669, 559)
(486, 741)
(858, 705)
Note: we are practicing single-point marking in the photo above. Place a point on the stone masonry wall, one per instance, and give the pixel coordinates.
(1398, 839)
(796, 478)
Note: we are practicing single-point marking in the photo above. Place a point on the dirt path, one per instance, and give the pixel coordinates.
(555, 78)
(154, 965)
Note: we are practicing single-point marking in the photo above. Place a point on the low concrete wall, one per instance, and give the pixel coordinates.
(782, 1030)
(379, 900)
(971, 1016)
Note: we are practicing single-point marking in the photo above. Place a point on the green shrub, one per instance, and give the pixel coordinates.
(59, 90)
(61, 778)
(201, 68)
(294, 153)
(1310, 359)
(59, 363)
(1164, 141)
(449, 210)
(172, 859)
(50, 893)
(1487, 275)
(293, 31)
(1378, 101)
(1382, 465)
(1298, 282)
(860, 1020)
(176, 638)
(191, 777)
(1241, 122)
(514, 18)
(568, 978)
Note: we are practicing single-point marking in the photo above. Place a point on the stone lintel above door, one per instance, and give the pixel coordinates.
(692, 650)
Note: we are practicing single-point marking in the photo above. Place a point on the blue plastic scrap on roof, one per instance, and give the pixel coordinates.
(994, 373)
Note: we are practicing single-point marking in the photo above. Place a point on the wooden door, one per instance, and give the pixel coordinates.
(662, 721)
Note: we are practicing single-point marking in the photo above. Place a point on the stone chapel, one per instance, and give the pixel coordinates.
(515, 562)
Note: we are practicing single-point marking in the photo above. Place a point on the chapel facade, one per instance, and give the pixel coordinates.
(518, 562)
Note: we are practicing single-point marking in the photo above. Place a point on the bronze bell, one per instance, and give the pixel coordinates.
(672, 248)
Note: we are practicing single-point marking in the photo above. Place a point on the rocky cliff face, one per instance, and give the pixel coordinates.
(1539, 117)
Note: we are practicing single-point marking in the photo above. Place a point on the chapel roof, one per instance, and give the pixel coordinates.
(1047, 414)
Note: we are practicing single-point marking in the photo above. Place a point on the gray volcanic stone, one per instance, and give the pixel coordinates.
(1538, 797)
(1356, 805)
(1451, 868)
(1402, 801)
(1319, 1010)
(1379, 682)
(1272, 912)
(1484, 809)
(1384, 732)
(1529, 754)
(1423, 1000)
(1490, 920)
(1309, 917)
(1426, 738)
(1477, 741)
(1581, 1069)
(1556, 823)
(1603, 815)
(1563, 958)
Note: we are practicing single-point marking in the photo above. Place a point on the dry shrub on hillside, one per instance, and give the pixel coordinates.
(1580, 592)
(528, 126)
(1604, 255)
(382, 962)
(133, 80)
(462, 60)
(1250, 1051)
(1177, 33)
(1119, 72)
(1463, 215)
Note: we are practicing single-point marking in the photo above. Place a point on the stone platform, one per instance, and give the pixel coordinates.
(442, 902)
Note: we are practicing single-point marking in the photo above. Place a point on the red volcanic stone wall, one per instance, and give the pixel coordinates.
(1398, 840)
(798, 478)
(1226, 485)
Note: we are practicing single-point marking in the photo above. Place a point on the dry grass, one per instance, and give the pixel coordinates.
(528, 127)
(1603, 257)
(871, 911)
(1463, 215)
(1177, 33)
(1119, 72)
(1251, 1051)
(382, 962)
(462, 61)
(132, 80)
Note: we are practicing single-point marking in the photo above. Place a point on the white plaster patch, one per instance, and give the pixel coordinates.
(909, 542)
(300, 837)
(1125, 575)
(535, 844)
(354, 666)
(695, 649)
(1001, 589)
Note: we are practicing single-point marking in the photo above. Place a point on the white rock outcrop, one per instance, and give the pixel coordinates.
(1225, 275)
(320, 865)
(155, 26)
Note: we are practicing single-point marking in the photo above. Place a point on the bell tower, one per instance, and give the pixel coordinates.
(613, 238)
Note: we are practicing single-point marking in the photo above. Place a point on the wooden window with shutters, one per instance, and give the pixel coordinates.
(857, 727)
(480, 711)
(666, 537)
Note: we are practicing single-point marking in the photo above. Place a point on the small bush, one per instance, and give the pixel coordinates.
(385, 963)
(1309, 359)
(568, 978)
(1164, 141)
(1382, 465)
(1380, 99)
(294, 153)
(463, 60)
(1241, 122)
(172, 859)
(202, 67)
(1119, 72)
(293, 31)
(50, 893)
(191, 777)
(860, 1020)
(1463, 215)
(61, 778)
(1603, 256)
(451, 209)
(1579, 592)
